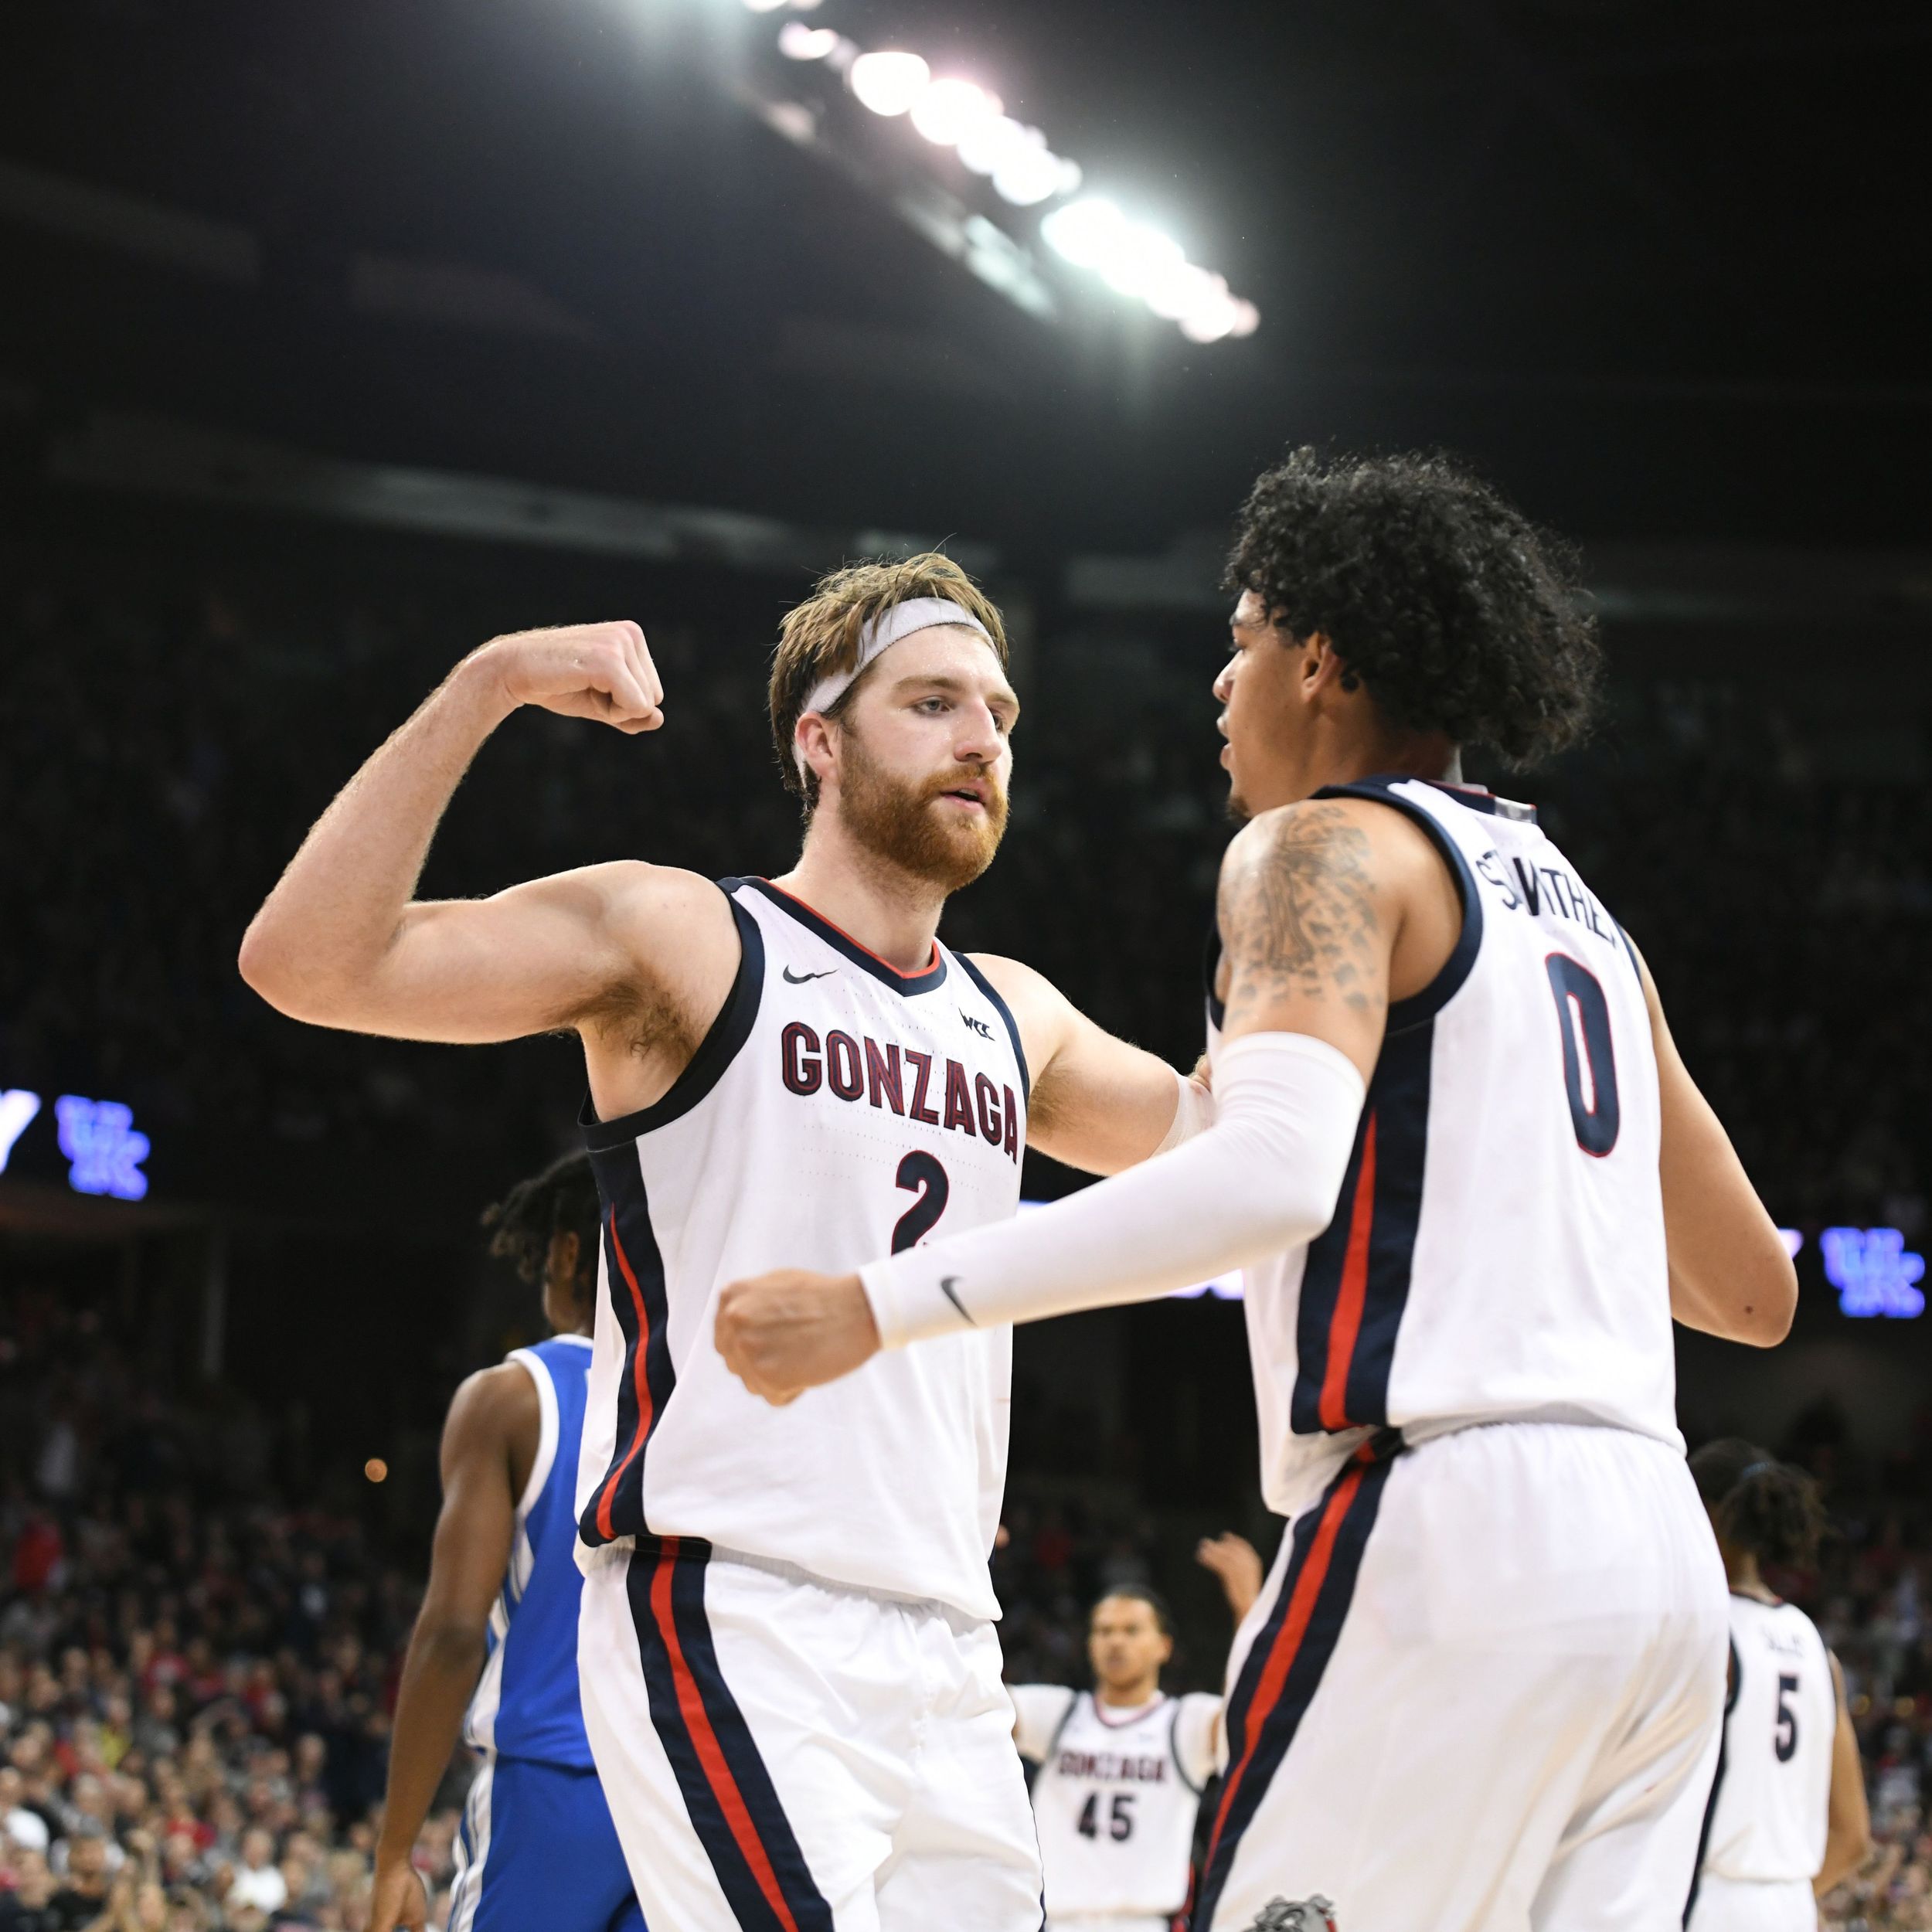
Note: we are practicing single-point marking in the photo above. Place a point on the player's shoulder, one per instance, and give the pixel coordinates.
(493, 1406)
(1355, 855)
(1025, 990)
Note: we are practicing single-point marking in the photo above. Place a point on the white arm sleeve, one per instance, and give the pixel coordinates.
(1264, 1177)
(1193, 1113)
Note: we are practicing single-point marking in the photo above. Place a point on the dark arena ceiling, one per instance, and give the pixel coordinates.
(1662, 269)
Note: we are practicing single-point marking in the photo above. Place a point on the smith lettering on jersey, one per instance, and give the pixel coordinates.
(837, 1108)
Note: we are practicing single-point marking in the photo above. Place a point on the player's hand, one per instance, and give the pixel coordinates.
(783, 1333)
(398, 1898)
(1237, 1563)
(600, 671)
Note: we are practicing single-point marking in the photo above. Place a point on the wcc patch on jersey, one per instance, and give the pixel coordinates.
(1301, 1915)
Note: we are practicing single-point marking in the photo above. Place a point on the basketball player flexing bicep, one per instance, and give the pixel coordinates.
(1329, 910)
(638, 958)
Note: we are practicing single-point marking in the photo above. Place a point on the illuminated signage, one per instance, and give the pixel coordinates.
(104, 1152)
(1873, 1272)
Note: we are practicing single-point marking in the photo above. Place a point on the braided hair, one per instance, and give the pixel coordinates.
(1760, 1503)
(562, 1200)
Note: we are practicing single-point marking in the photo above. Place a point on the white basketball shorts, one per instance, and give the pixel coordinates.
(783, 1755)
(1483, 1691)
(1748, 1905)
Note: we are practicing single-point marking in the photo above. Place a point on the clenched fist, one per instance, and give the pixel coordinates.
(600, 671)
(783, 1333)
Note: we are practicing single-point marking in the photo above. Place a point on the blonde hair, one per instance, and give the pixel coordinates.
(821, 638)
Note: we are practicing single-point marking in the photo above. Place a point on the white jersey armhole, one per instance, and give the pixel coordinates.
(1041, 1717)
(534, 1365)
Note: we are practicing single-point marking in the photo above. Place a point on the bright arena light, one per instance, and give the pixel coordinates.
(888, 82)
(1084, 230)
(947, 112)
(798, 41)
(1090, 231)
(1034, 175)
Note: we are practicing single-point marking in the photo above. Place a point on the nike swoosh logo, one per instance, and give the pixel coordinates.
(945, 1288)
(799, 979)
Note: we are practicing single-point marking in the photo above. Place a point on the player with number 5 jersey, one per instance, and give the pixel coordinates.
(791, 1679)
(1471, 1183)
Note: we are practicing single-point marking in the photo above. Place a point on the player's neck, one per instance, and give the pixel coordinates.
(1745, 1578)
(1375, 753)
(1128, 1697)
(889, 911)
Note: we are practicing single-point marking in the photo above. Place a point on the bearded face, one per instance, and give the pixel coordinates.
(941, 826)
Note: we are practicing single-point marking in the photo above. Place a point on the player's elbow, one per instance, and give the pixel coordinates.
(451, 1641)
(1765, 1318)
(275, 963)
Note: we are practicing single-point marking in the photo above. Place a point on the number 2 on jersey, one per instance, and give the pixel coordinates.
(1590, 1061)
(920, 1172)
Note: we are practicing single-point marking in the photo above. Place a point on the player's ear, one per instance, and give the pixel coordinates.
(812, 737)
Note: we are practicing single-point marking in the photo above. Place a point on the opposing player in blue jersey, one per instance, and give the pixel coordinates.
(537, 1847)
(1471, 1181)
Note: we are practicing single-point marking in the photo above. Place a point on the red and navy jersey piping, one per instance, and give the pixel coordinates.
(719, 1047)
(862, 956)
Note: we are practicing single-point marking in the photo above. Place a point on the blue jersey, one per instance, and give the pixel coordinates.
(527, 1705)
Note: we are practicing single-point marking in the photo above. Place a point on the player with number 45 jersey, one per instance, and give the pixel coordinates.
(791, 1679)
(1470, 1182)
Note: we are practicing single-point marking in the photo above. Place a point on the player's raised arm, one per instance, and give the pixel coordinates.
(1730, 1273)
(1312, 904)
(1097, 1103)
(340, 941)
(488, 1444)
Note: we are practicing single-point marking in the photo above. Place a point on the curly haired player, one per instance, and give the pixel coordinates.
(1471, 1183)
(1787, 1818)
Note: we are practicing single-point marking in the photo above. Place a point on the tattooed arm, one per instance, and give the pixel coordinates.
(1325, 907)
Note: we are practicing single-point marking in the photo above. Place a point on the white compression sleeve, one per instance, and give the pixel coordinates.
(1193, 1114)
(1264, 1177)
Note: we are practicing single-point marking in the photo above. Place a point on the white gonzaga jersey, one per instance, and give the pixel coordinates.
(1768, 1806)
(1116, 1798)
(1497, 1252)
(837, 1108)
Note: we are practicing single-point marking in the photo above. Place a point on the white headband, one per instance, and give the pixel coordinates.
(879, 635)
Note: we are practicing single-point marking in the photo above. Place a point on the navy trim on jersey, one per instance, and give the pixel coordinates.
(1355, 1284)
(1446, 983)
(909, 984)
(1283, 1669)
(728, 1793)
(719, 1047)
(1477, 797)
(1210, 970)
(1005, 1013)
(633, 1276)
(1717, 1782)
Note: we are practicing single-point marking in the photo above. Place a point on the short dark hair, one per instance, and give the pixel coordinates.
(1758, 1503)
(1139, 1593)
(562, 1200)
(1456, 613)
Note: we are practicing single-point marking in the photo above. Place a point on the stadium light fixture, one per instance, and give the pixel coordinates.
(798, 41)
(1090, 232)
(947, 112)
(889, 82)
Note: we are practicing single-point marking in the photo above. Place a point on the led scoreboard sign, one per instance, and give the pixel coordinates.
(97, 1138)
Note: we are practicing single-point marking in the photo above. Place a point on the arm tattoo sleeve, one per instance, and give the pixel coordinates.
(1298, 915)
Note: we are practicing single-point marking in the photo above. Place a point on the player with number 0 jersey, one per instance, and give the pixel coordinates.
(1471, 1183)
(791, 1677)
